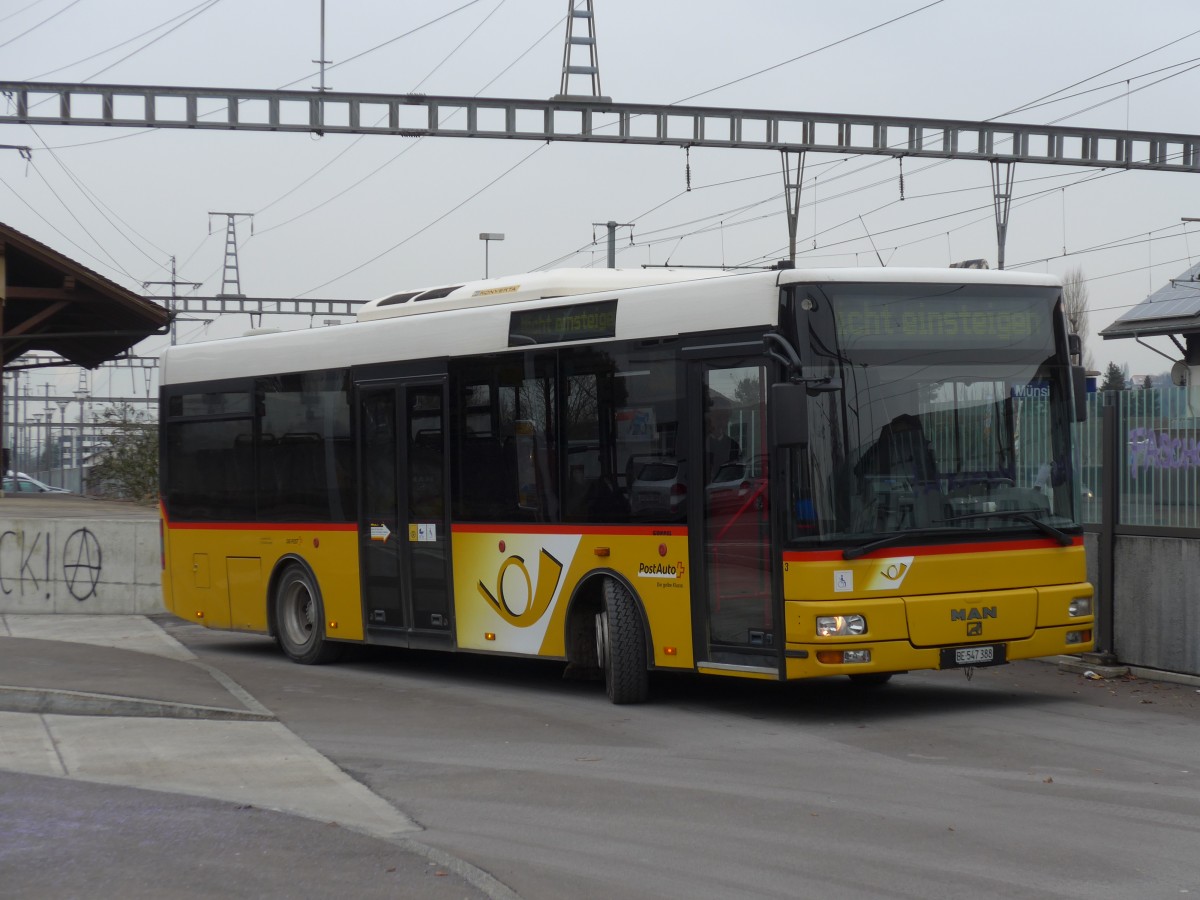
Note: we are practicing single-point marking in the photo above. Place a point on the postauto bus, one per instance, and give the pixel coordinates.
(859, 472)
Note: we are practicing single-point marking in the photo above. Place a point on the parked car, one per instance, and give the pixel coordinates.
(737, 487)
(659, 488)
(20, 483)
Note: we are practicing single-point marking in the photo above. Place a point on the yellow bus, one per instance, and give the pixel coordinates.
(772, 475)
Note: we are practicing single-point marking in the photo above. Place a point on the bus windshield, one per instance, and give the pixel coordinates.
(953, 418)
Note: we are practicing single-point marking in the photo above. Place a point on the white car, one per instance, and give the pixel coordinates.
(20, 483)
(659, 488)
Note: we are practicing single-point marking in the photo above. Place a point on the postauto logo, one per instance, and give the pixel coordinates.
(660, 570)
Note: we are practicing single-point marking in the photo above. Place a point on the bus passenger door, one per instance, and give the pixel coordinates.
(404, 531)
(731, 515)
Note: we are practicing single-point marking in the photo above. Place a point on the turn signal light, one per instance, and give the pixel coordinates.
(669, 651)
(842, 657)
(489, 635)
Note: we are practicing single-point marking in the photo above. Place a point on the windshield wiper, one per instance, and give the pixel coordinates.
(898, 537)
(1025, 515)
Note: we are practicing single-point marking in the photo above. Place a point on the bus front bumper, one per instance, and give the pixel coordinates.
(816, 660)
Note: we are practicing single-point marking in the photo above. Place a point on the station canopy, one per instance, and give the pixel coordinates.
(50, 302)
(1174, 309)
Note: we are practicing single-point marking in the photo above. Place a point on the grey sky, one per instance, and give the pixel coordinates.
(955, 59)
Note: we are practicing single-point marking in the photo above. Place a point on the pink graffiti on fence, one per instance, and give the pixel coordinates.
(1161, 450)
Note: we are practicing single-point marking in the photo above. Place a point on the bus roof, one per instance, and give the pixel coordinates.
(918, 276)
(571, 282)
(475, 316)
(527, 286)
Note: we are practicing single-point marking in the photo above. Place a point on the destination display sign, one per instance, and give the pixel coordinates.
(578, 322)
(963, 320)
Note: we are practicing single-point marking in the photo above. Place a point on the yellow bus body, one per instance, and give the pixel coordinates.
(512, 586)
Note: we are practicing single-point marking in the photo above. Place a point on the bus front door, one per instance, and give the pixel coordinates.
(404, 532)
(733, 555)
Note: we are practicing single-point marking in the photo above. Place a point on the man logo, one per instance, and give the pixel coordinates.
(974, 629)
(973, 614)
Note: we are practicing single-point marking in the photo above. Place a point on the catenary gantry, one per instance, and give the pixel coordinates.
(593, 120)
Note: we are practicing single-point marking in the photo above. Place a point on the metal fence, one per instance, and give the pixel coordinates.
(1157, 455)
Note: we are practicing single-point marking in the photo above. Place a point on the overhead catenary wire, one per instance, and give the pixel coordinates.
(536, 150)
(386, 43)
(32, 28)
(342, 193)
(58, 231)
(207, 4)
(17, 12)
(1034, 103)
(831, 197)
(813, 52)
(938, 163)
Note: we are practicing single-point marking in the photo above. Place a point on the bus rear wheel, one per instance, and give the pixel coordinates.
(300, 619)
(621, 646)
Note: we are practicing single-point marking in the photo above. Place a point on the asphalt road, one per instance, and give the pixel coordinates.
(1023, 781)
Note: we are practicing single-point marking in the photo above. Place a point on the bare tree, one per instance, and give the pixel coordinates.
(1075, 301)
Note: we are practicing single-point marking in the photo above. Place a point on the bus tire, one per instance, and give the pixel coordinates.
(300, 619)
(621, 646)
(871, 679)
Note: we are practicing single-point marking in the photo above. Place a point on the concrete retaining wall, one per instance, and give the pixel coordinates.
(79, 565)
(1157, 603)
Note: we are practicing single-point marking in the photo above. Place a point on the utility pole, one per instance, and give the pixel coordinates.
(322, 62)
(612, 238)
(174, 283)
(1002, 185)
(792, 184)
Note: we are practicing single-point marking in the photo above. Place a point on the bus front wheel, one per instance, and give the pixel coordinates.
(621, 646)
(300, 619)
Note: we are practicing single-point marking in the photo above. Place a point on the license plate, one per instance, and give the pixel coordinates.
(986, 655)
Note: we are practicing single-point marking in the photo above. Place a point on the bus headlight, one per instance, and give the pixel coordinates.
(841, 626)
(1080, 606)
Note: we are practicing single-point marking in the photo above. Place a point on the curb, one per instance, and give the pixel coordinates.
(46, 701)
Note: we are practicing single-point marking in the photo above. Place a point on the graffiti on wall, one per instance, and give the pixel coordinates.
(30, 563)
(1161, 450)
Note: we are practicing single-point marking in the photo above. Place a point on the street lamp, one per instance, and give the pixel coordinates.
(62, 465)
(487, 237)
(81, 395)
(35, 443)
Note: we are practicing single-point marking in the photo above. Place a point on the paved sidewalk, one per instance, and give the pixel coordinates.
(114, 700)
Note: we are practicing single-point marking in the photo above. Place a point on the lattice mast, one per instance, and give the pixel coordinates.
(230, 275)
(580, 46)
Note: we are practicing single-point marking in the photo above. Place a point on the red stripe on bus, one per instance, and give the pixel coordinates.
(262, 526)
(527, 528)
(946, 550)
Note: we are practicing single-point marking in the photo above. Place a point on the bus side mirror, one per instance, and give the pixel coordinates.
(1079, 387)
(789, 414)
